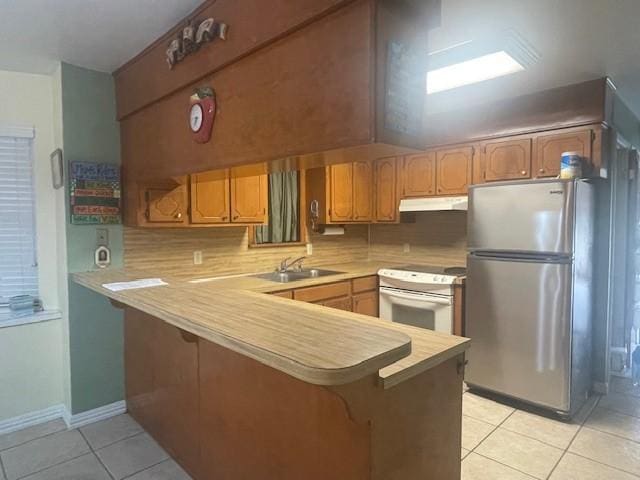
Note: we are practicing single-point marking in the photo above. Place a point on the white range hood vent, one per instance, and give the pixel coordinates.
(431, 204)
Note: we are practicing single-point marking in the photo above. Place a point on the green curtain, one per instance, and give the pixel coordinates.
(284, 202)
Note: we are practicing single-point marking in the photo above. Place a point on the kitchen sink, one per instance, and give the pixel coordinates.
(295, 275)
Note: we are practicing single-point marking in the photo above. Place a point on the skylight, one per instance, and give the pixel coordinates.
(475, 70)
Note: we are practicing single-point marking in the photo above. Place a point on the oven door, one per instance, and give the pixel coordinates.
(418, 309)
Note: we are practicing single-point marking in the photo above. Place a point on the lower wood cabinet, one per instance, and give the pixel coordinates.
(359, 295)
(366, 303)
(162, 385)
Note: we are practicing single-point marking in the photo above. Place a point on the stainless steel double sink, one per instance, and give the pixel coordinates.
(295, 275)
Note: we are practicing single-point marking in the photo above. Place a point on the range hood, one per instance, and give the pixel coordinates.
(430, 204)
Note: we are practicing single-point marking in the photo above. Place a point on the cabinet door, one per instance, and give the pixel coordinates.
(341, 192)
(166, 205)
(175, 370)
(549, 149)
(362, 192)
(343, 303)
(507, 159)
(366, 303)
(420, 175)
(386, 190)
(249, 198)
(210, 197)
(453, 171)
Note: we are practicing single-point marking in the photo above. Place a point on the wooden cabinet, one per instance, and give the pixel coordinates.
(386, 190)
(343, 303)
(507, 159)
(249, 197)
(366, 303)
(419, 175)
(210, 197)
(343, 192)
(163, 205)
(548, 150)
(161, 384)
(239, 195)
(362, 192)
(359, 295)
(453, 170)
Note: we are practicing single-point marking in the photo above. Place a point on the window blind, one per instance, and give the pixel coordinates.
(18, 263)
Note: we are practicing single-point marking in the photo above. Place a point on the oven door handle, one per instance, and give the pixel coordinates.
(425, 297)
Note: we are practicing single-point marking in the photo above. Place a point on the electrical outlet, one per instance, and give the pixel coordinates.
(197, 257)
(406, 248)
(309, 248)
(102, 236)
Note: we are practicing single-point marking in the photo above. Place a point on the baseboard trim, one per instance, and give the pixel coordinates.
(95, 415)
(32, 418)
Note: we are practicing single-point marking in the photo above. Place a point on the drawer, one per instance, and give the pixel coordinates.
(323, 292)
(284, 294)
(365, 284)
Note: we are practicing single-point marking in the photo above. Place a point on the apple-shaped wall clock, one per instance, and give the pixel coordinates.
(202, 112)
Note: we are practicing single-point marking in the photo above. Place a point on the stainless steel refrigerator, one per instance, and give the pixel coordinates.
(529, 291)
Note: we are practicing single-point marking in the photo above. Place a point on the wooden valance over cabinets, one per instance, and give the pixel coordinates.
(291, 79)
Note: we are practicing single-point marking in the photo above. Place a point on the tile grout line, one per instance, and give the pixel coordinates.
(581, 426)
(149, 467)
(64, 429)
(494, 429)
(505, 465)
(605, 464)
(93, 452)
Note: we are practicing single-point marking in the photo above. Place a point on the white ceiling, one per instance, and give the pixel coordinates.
(96, 34)
(576, 39)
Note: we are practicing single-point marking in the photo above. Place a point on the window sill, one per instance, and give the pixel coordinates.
(44, 316)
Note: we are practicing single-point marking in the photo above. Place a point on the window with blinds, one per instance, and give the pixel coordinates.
(18, 263)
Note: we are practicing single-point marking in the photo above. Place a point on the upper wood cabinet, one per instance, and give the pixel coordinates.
(163, 205)
(419, 175)
(210, 197)
(507, 159)
(362, 192)
(343, 192)
(548, 150)
(249, 197)
(386, 190)
(239, 195)
(453, 170)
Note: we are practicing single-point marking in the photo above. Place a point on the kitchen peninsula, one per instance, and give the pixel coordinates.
(236, 383)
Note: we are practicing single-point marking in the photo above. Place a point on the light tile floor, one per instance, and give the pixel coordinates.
(499, 442)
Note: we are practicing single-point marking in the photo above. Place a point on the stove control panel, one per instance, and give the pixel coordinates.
(417, 277)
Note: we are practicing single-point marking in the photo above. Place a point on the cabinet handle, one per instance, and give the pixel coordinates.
(178, 215)
(541, 170)
(225, 218)
(235, 217)
(523, 172)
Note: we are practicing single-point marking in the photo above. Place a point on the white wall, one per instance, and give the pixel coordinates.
(32, 357)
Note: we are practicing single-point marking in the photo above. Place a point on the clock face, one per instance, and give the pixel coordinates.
(196, 117)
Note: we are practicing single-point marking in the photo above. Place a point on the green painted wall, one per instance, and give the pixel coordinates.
(91, 133)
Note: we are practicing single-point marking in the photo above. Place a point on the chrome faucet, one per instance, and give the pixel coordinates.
(285, 265)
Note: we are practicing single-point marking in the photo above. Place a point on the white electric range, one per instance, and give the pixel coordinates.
(419, 295)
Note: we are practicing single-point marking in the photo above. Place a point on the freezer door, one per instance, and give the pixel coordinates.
(519, 322)
(522, 217)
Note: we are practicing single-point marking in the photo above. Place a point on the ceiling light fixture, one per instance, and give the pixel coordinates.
(476, 61)
(471, 71)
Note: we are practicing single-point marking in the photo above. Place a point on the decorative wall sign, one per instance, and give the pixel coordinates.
(192, 37)
(202, 113)
(406, 88)
(94, 193)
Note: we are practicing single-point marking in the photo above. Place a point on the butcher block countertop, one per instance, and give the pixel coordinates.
(313, 343)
